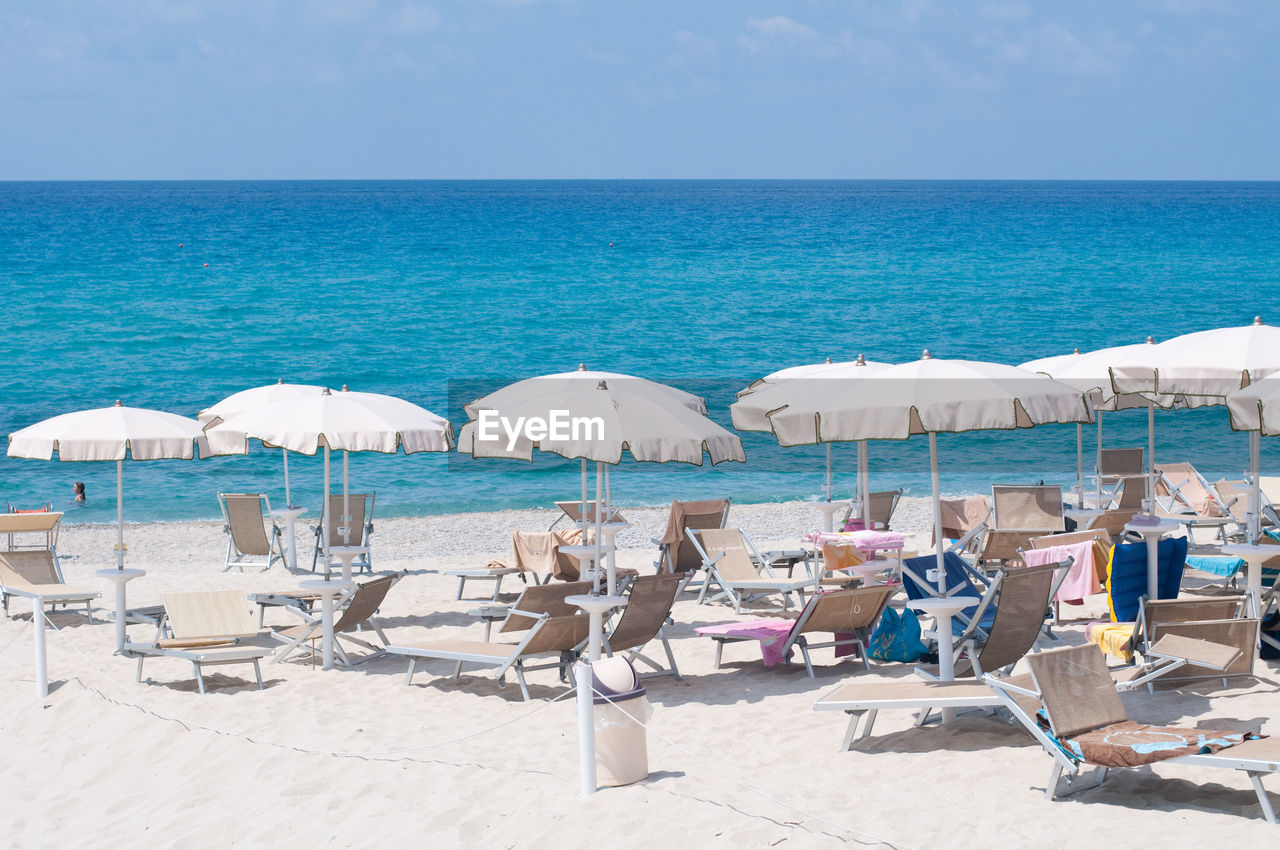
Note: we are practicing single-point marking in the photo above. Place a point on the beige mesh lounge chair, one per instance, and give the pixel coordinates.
(644, 619)
(1215, 620)
(26, 571)
(42, 524)
(548, 635)
(847, 615)
(735, 566)
(676, 554)
(573, 512)
(1076, 691)
(1019, 513)
(1115, 466)
(1020, 612)
(360, 607)
(963, 522)
(207, 628)
(880, 510)
(360, 524)
(253, 539)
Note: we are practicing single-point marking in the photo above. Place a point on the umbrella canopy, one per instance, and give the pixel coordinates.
(531, 389)
(111, 433)
(108, 433)
(255, 398)
(598, 424)
(342, 421)
(1257, 407)
(801, 385)
(1207, 364)
(929, 396)
(1091, 372)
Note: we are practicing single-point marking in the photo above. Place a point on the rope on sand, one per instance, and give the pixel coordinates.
(402, 754)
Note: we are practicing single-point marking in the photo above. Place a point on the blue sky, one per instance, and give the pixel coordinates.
(1174, 89)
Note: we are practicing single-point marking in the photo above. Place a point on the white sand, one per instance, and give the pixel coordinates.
(354, 758)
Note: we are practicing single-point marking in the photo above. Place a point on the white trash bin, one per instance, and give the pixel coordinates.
(622, 753)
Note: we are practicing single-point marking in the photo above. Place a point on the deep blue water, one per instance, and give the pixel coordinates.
(437, 290)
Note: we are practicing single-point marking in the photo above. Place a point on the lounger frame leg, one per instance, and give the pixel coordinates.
(413, 666)
(851, 735)
(257, 672)
(140, 660)
(524, 686)
(199, 676)
(719, 651)
(1263, 800)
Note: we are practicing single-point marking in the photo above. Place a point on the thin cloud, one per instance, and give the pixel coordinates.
(780, 27)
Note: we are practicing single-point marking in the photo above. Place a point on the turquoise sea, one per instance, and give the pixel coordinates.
(173, 295)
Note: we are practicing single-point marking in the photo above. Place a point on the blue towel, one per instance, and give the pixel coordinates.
(1219, 565)
(1128, 580)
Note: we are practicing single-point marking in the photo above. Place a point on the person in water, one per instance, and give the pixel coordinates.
(78, 489)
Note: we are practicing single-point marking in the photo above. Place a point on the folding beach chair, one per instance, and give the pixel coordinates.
(1018, 513)
(964, 521)
(847, 615)
(559, 636)
(207, 628)
(43, 526)
(26, 571)
(880, 510)
(253, 538)
(360, 525)
(1216, 620)
(644, 619)
(358, 610)
(1115, 466)
(676, 554)
(961, 580)
(1085, 723)
(735, 566)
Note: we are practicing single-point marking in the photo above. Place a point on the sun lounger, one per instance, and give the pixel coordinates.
(559, 636)
(574, 513)
(359, 525)
(676, 553)
(42, 524)
(1019, 513)
(1116, 466)
(26, 572)
(735, 566)
(1081, 706)
(961, 580)
(358, 610)
(253, 539)
(964, 521)
(880, 510)
(495, 572)
(644, 619)
(207, 628)
(847, 615)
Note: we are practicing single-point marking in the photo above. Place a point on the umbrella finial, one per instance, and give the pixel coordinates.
(926, 355)
(1076, 351)
(119, 403)
(582, 367)
(326, 391)
(1257, 320)
(1151, 340)
(602, 386)
(279, 381)
(861, 361)
(345, 388)
(828, 359)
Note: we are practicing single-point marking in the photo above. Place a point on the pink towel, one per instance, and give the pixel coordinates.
(865, 540)
(772, 634)
(1081, 580)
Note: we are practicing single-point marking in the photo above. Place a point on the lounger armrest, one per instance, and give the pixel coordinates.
(1003, 685)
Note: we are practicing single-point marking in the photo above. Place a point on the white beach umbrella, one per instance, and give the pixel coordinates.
(931, 396)
(1208, 366)
(595, 416)
(1091, 373)
(255, 399)
(343, 421)
(795, 384)
(111, 433)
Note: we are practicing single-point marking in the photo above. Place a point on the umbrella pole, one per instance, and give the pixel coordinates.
(120, 515)
(328, 514)
(599, 539)
(1097, 467)
(827, 487)
(946, 651)
(1079, 465)
(582, 510)
(1255, 494)
(864, 483)
(346, 501)
(1151, 458)
(288, 496)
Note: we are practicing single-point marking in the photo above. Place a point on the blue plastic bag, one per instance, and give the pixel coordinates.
(897, 637)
